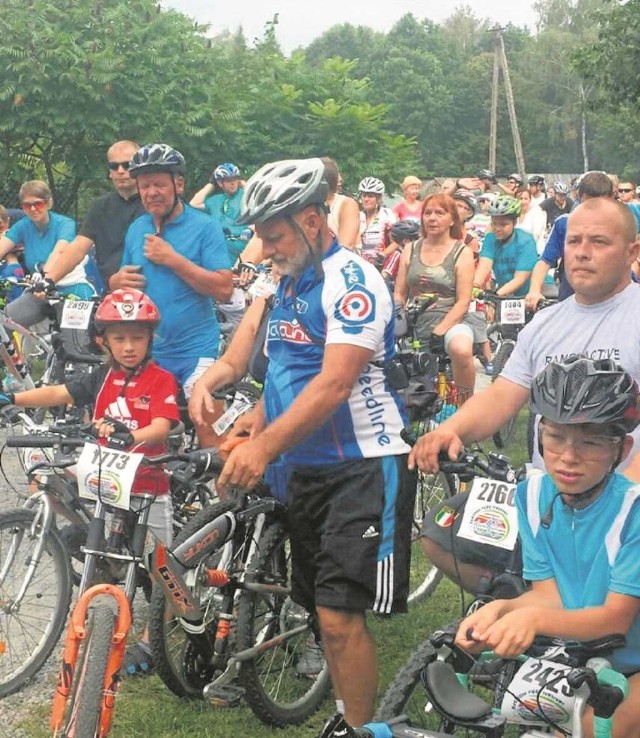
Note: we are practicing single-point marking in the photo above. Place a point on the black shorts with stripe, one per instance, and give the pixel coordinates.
(351, 534)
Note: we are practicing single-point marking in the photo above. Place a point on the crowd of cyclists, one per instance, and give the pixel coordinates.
(343, 270)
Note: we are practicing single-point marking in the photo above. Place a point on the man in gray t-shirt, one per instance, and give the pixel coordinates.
(599, 321)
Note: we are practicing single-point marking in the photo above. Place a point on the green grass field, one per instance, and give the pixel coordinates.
(145, 708)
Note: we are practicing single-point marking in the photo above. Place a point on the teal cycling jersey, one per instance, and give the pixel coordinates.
(589, 552)
(518, 254)
(226, 210)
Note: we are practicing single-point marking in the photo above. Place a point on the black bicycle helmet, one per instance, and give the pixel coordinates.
(536, 179)
(405, 230)
(283, 188)
(153, 158)
(587, 391)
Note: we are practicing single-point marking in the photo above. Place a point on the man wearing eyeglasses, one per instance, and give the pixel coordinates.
(106, 222)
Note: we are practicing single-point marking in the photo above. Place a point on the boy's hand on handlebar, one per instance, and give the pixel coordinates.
(532, 300)
(424, 454)
(116, 432)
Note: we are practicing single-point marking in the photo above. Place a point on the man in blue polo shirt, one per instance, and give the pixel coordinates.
(178, 256)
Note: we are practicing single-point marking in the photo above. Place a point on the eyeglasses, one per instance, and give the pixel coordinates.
(625, 189)
(588, 447)
(37, 205)
(115, 165)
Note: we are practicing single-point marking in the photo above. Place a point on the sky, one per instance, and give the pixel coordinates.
(300, 21)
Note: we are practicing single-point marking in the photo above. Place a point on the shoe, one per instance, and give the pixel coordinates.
(488, 368)
(138, 660)
(336, 727)
(311, 662)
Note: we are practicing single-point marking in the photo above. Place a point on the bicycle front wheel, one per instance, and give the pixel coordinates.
(30, 623)
(277, 689)
(87, 691)
(424, 577)
(176, 661)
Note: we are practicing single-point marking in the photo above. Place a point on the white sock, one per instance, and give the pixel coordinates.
(340, 707)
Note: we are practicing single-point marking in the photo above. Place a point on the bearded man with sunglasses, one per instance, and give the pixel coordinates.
(106, 222)
(39, 234)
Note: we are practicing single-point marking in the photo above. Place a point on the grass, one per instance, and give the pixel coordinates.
(146, 709)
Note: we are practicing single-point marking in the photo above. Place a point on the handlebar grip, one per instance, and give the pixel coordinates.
(33, 441)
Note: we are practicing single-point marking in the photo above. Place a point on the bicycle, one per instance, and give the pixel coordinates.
(37, 557)
(555, 681)
(233, 560)
(511, 318)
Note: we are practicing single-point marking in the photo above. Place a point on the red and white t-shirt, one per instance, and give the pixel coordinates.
(150, 393)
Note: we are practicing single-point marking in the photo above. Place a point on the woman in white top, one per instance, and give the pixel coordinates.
(375, 219)
(532, 219)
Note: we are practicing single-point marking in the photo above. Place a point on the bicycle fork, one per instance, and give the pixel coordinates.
(76, 634)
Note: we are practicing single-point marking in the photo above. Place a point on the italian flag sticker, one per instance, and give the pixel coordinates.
(445, 517)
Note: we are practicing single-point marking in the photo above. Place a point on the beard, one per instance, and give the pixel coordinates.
(293, 266)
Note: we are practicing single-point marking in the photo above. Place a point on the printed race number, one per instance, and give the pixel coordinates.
(539, 689)
(76, 314)
(512, 312)
(490, 514)
(111, 472)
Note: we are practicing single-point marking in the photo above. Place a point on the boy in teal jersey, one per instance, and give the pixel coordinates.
(579, 526)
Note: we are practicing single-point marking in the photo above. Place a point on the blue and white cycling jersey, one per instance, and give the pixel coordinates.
(350, 305)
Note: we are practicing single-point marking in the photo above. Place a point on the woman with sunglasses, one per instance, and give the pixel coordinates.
(38, 234)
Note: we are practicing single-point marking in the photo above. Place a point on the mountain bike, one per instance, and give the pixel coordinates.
(511, 317)
(544, 690)
(236, 634)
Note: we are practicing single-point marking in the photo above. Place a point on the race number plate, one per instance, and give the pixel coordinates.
(113, 470)
(539, 690)
(512, 312)
(76, 314)
(32, 456)
(490, 514)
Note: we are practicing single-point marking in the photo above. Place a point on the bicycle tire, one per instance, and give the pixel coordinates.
(502, 436)
(405, 695)
(44, 607)
(531, 434)
(174, 662)
(275, 692)
(424, 577)
(87, 690)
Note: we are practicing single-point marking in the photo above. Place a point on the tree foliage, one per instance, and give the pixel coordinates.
(79, 74)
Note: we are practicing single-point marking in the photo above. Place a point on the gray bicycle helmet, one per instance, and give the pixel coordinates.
(587, 391)
(505, 205)
(153, 158)
(405, 230)
(467, 197)
(487, 174)
(283, 188)
(371, 186)
(516, 178)
(560, 188)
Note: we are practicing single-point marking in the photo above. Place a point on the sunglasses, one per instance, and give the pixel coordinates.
(115, 165)
(37, 205)
(624, 189)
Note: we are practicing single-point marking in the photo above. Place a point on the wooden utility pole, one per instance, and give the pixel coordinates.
(500, 61)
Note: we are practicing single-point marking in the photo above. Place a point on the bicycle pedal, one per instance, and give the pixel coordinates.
(229, 695)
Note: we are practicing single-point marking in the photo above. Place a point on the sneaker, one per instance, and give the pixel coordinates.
(311, 662)
(336, 727)
(488, 368)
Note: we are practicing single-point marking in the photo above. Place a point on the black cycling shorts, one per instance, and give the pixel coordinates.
(442, 524)
(351, 535)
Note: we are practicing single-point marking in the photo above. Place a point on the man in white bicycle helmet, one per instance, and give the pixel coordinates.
(328, 410)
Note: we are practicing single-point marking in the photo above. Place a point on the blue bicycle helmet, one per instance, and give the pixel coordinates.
(227, 170)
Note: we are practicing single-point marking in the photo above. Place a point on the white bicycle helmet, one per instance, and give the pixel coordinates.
(371, 186)
(283, 188)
